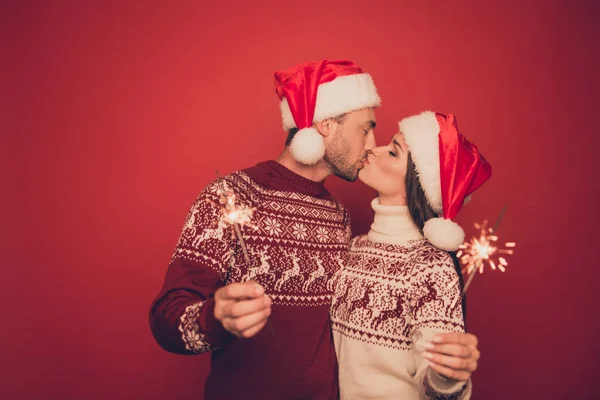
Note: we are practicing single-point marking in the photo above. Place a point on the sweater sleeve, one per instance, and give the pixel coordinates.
(432, 313)
(182, 315)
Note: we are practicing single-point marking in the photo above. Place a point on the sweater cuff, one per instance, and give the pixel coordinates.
(438, 387)
(214, 332)
(200, 330)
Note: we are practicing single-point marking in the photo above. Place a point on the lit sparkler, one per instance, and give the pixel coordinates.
(481, 251)
(236, 216)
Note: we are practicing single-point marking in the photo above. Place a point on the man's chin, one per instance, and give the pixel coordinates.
(349, 176)
(346, 174)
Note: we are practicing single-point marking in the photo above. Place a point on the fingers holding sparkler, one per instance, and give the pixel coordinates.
(242, 308)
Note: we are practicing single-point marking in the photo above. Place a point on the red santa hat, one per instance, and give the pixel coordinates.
(449, 167)
(316, 91)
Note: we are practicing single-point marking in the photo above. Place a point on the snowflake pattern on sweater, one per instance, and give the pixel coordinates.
(299, 242)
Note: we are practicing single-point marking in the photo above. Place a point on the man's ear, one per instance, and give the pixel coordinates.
(325, 127)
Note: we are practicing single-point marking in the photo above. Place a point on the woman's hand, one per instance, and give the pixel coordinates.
(453, 355)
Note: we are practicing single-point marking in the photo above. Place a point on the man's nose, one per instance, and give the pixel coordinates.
(370, 143)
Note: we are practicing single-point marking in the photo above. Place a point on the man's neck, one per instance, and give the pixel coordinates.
(316, 173)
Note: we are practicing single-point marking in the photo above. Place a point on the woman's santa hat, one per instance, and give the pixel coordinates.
(449, 167)
(316, 91)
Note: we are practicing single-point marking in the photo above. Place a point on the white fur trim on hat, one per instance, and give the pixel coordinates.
(421, 135)
(307, 146)
(444, 234)
(286, 115)
(340, 96)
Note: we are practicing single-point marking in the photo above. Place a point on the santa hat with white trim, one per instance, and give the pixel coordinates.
(449, 168)
(316, 91)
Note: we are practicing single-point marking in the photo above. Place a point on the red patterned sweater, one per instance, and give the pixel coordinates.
(301, 239)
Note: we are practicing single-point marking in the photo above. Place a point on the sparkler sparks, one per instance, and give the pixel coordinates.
(234, 215)
(484, 250)
(481, 251)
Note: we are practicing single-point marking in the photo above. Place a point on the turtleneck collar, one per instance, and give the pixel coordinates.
(392, 224)
(305, 185)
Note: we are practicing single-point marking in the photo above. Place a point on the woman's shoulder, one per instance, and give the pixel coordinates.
(429, 252)
(431, 261)
(363, 241)
(358, 241)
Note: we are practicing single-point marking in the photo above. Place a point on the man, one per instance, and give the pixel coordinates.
(213, 299)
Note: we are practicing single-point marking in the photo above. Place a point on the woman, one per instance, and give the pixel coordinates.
(399, 286)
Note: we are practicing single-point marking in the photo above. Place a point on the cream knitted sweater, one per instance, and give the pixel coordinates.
(392, 296)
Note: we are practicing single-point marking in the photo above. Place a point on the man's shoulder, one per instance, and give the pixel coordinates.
(237, 181)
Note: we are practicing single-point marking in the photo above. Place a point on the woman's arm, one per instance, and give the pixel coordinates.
(433, 313)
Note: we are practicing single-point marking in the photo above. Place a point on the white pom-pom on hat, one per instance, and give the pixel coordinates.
(307, 146)
(443, 233)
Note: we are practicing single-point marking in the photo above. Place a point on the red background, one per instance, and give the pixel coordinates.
(115, 115)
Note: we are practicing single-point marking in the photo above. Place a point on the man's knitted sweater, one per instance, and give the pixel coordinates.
(300, 240)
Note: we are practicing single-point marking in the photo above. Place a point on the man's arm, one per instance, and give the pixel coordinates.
(194, 312)
(182, 316)
(188, 321)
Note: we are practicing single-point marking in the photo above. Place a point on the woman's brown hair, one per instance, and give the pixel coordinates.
(420, 211)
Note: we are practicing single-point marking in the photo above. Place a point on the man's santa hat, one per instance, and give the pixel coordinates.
(316, 91)
(449, 168)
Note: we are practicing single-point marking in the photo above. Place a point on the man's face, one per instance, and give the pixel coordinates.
(352, 139)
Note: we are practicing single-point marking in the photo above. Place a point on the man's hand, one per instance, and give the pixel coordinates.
(242, 308)
(453, 355)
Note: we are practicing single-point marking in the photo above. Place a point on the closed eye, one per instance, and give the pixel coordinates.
(397, 144)
(392, 154)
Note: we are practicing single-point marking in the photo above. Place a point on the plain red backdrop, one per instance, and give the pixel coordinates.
(116, 114)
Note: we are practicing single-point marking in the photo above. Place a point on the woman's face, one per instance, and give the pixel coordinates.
(385, 168)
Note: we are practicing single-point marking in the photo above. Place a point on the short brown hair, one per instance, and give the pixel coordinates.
(292, 132)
